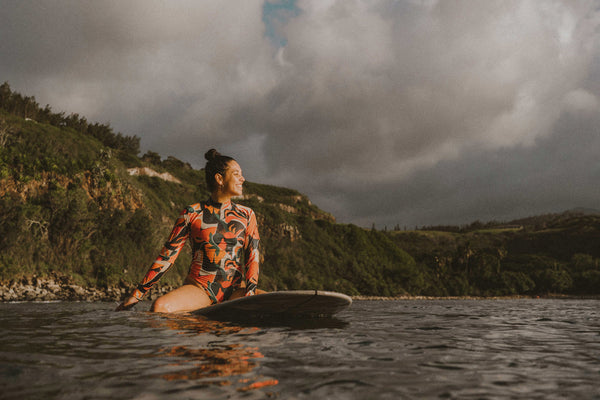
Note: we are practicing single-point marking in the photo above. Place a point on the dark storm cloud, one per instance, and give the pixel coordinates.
(386, 112)
(419, 85)
(557, 174)
(160, 71)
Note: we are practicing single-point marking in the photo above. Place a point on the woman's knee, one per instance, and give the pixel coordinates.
(160, 305)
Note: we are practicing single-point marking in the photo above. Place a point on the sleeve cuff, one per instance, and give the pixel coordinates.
(138, 294)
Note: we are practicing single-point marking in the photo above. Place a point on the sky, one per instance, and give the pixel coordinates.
(384, 112)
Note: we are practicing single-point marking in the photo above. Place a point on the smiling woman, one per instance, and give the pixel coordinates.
(222, 234)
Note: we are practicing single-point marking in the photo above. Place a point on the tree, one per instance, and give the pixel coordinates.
(152, 158)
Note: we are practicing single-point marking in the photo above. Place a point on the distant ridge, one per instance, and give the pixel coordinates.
(556, 218)
(583, 210)
(519, 223)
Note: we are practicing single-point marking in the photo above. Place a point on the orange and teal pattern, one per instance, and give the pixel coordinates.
(222, 237)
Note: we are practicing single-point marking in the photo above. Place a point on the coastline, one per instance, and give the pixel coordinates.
(63, 288)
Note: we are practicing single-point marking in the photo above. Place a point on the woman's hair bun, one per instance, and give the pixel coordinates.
(211, 155)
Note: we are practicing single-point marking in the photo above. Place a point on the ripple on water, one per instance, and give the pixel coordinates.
(521, 349)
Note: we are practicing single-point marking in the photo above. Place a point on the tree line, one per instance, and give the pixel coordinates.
(28, 108)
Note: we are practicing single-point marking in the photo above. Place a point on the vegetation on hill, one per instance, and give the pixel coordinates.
(555, 253)
(70, 205)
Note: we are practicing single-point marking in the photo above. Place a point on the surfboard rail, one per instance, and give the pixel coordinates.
(280, 304)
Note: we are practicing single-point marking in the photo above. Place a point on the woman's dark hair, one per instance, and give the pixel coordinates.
(215, 164)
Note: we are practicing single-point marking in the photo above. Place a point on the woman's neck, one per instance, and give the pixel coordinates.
(220, 198)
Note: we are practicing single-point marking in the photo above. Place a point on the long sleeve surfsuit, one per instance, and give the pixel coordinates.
(221, 237)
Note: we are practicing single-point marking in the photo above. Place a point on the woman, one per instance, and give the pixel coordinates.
(222, 233)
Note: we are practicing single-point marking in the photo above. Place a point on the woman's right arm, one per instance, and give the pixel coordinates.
(164, 261)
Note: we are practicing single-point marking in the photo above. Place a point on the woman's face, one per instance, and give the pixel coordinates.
(233, 180)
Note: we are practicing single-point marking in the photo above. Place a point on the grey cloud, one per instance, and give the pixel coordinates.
(559, 173)
(408, 110)
(423, 85)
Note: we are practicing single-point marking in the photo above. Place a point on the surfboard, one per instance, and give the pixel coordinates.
(281, 304)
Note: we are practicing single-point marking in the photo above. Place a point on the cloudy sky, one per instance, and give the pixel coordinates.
(391, 112)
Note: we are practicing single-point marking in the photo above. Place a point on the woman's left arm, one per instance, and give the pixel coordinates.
(252, 255)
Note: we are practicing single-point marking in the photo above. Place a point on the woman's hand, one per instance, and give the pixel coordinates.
(253, 292)
(127, 304)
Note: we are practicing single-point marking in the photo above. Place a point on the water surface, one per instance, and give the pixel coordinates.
(413, 349)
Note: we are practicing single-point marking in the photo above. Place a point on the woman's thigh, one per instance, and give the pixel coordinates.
(183, 299)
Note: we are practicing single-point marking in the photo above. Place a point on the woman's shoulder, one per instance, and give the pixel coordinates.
(242, 209)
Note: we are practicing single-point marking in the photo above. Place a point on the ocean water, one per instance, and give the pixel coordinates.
(413, 349)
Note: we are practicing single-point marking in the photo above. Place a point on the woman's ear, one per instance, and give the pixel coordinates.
(219, 179)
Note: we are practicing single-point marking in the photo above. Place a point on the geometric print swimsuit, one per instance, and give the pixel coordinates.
(222, 236)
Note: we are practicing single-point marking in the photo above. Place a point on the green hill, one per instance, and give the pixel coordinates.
(77, 200)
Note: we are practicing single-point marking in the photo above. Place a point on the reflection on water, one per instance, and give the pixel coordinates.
(224, 363)
(213, 365)
(186, 324)
(217, 362)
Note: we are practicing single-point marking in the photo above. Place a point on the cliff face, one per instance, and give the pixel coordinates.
(298, 206)
(145, 171)
(111, 194)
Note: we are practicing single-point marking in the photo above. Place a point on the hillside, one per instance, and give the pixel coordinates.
(77, 200)
(80, 205)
